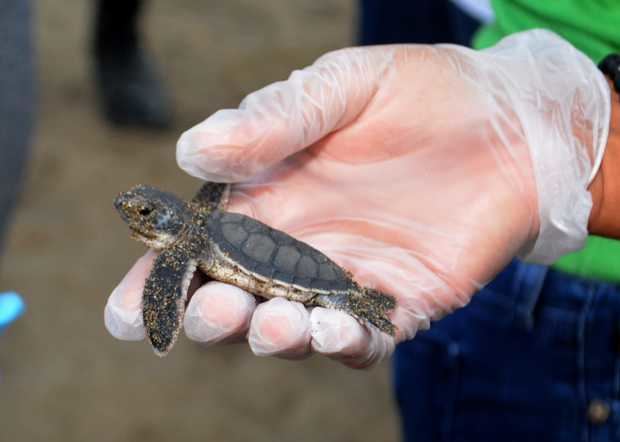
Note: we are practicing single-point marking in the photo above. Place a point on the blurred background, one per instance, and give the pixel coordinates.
(62, 377)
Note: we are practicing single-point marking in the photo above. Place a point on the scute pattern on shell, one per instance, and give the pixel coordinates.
(273, 254)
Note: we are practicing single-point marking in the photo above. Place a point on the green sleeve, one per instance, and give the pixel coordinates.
(591, 26)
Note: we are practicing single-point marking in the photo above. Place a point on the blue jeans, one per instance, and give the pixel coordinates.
(413, 21)
(535, 356)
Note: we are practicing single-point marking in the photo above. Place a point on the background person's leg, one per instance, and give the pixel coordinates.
(129, 87)
(17, 102)
(116, 25)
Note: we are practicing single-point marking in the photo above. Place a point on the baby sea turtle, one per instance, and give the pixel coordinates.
(235, 249)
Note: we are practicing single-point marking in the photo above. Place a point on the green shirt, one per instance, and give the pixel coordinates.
(594, 28)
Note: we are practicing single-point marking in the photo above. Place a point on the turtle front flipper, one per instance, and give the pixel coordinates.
(212, 196)
(165, 295)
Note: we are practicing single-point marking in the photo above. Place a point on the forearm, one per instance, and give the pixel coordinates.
(605, 189)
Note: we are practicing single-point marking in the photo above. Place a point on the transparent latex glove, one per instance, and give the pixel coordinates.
(421, 169)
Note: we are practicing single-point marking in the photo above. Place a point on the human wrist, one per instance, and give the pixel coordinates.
(605, 188)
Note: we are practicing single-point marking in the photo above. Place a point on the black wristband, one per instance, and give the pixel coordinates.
(610, 66)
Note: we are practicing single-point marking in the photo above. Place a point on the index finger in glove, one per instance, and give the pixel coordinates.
(284, 117)
(123, 311)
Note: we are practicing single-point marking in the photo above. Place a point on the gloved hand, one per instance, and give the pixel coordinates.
(11, 307)
(422, 169)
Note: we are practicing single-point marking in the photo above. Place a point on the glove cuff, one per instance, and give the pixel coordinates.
(564, 168)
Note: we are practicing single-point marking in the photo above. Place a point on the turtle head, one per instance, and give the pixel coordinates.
(156, 218)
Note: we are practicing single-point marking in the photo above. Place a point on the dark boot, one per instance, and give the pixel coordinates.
(129, 87)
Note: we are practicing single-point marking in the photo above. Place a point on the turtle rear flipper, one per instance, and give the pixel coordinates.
(367, 305)
(212, 195)
(165, 295)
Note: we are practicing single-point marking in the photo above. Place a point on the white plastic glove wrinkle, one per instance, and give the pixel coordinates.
(288, 114)
(422, 170)
(570, 92)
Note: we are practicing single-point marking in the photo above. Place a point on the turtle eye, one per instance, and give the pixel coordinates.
(145, 211)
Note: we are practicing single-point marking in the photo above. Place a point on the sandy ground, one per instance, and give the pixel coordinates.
(63, 378)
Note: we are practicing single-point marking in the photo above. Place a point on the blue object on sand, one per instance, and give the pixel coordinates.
(11, 307)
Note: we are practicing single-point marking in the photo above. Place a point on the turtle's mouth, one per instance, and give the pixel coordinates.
(154, 240)
(137, 233)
